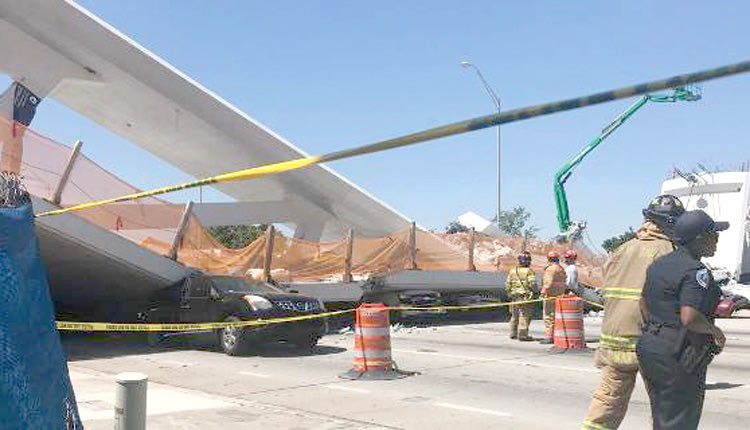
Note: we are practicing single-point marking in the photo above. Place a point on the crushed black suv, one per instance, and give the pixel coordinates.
(208, 298)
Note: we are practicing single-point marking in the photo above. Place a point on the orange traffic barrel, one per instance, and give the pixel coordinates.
(372, 344)
(569, 323)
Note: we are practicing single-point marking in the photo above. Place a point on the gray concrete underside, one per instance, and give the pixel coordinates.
(91, 269)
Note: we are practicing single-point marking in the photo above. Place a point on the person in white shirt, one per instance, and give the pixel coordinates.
(571, 270)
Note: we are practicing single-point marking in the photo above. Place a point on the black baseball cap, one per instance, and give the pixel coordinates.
(692, 224)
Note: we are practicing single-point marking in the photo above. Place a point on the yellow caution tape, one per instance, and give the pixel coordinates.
(250, 173)
(101, 326)
(468, 125)
(188, 327)
(595, 304)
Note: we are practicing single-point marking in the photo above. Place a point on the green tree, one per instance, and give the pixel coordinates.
(614, 242)
(514, 222)
(237, 236)
(456, 227)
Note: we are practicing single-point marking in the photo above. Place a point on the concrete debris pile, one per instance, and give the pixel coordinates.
(502, 252)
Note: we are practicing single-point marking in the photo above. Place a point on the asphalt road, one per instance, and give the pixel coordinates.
(469, 375)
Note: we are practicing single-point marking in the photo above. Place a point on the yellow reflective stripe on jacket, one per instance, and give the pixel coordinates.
(589, 425)
(621, 358)
(618, 343)
(520, 281)
(530, 277)
(521, 275)
(622, 293)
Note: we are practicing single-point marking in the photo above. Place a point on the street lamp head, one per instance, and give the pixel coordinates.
(466, 65)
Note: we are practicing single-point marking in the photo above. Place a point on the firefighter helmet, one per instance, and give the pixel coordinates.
(552, 256)
(664, 210)
(524, 258)
(570, 255)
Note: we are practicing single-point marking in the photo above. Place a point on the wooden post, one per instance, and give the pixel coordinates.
(181, 228)
(66, 172)
(413, 246)
(348, 257)
(268, 258)
(472, 241)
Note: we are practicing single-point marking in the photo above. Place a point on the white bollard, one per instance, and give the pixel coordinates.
(130, 401)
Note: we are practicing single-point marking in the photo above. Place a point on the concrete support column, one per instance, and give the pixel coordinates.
(268, 256)
(472, 244)
(181, 229)
(66, 173)
(348, 256)
(413, 246)
(311, 231)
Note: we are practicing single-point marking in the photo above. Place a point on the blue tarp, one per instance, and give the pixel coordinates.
(35, 390)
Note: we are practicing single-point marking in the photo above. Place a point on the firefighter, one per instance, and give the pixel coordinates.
(520, 285)
(571, 270)
(679, 336)
(553, 285)
(624, 277)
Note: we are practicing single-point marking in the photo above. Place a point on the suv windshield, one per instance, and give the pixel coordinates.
(230, 284)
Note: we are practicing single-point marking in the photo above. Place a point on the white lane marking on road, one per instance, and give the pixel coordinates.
(501, 360)
(438, 354)
(344, 388)
(471, 409)
(174, 362)
(724, 353)
(257, 375)
(552, 366)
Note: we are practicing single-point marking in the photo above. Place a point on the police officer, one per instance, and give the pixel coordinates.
(624, 277)
(520, 285)
(679, 337)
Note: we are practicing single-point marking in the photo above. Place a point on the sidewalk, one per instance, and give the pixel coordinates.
(178, 408)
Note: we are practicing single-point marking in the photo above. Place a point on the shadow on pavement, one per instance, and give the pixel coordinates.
(92, 346)
(281, 350)
(722, 386)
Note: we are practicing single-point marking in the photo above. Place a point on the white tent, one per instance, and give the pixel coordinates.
(480, 224)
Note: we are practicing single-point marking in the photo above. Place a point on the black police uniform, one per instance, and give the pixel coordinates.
(675, 376)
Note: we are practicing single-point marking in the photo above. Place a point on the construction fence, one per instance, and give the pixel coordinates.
(65, 177)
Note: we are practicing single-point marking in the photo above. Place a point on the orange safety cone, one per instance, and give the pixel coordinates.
(372, 345)
(569, 323)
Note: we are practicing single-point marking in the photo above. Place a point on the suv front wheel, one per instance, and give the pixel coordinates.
(232, 339)
(306, 342)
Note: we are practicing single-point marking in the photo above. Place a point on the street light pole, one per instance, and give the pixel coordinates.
(496, 103)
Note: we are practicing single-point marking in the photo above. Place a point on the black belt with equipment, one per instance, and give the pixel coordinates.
(691, 350)
(694, 351)
(656, 327)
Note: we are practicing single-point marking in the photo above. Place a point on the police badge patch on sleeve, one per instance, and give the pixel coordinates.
(701, 277)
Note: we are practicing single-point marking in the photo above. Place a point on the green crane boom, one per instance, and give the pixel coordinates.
(569, 231)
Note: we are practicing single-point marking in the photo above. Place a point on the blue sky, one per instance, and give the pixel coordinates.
(329, 75)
